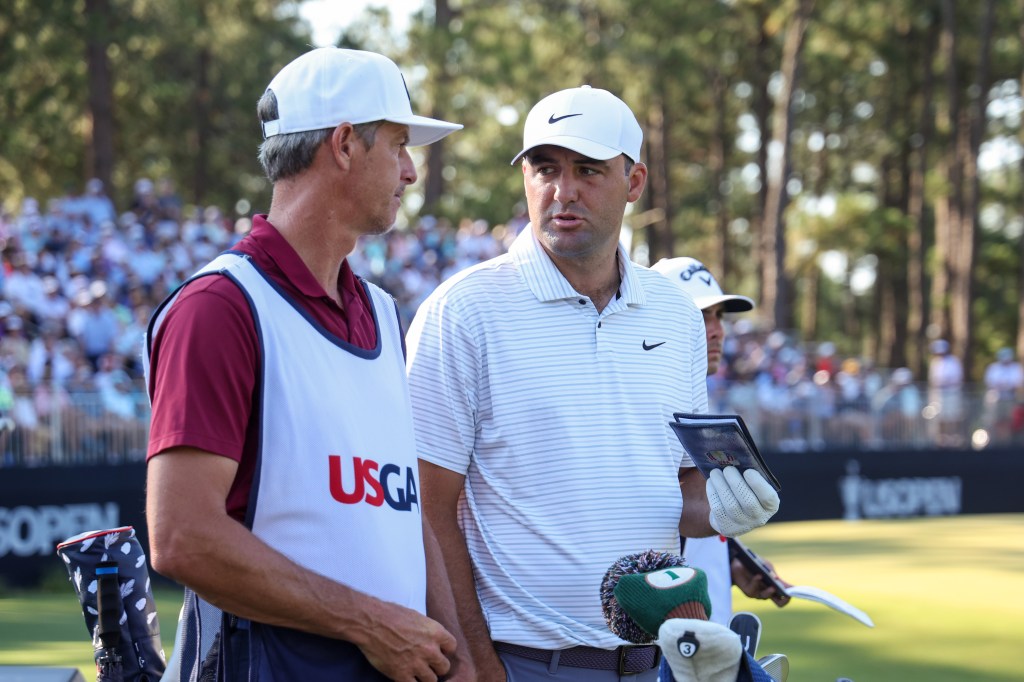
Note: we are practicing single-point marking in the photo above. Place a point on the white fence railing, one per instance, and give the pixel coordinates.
(95, 428)
(74, 428)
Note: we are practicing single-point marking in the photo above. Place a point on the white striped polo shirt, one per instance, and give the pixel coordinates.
(558, 416)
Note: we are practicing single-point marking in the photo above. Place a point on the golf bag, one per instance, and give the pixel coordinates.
(108, 570)
(197, 645)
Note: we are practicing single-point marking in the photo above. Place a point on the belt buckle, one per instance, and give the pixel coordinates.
(624, 650)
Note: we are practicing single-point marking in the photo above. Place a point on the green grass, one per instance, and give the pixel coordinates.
(47, 628)
(946, 596)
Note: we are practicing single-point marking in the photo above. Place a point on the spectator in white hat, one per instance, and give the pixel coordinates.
(281, 448)
(543, 383)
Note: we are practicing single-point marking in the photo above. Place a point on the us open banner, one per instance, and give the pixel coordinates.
(896, 484)
(40, 507)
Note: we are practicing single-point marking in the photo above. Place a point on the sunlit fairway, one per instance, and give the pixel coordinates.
(946, 596)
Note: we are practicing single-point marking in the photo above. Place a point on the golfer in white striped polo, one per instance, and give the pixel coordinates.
(543, 382)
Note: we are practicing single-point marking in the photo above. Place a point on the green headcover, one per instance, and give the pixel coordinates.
(652, 598)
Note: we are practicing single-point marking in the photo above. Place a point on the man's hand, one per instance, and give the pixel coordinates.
(407, 646)
(739, 503)
(754, 586)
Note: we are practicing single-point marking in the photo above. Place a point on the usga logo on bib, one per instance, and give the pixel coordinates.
(365, 480)
(667, 578)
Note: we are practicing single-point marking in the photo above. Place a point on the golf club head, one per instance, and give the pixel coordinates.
(776, 665)
(748, 626)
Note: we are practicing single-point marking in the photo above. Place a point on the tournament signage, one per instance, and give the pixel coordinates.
(28, 531)
(40, 507)
(865, 498)
(896, 484)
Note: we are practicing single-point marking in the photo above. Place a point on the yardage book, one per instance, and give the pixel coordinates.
(715, 441)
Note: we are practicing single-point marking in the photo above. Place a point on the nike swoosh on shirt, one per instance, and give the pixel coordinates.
(556, 119)
(653, 345)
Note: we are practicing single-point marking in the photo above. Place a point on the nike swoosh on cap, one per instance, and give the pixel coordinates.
(556, 119)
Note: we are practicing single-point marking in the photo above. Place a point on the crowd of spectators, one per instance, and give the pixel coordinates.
(804, 396)
(79, 281)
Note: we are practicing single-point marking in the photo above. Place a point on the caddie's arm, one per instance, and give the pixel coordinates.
(194, 541)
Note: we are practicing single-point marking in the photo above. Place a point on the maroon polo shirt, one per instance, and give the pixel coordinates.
(205, 359)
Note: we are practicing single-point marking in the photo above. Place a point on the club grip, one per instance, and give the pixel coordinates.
(108, 604)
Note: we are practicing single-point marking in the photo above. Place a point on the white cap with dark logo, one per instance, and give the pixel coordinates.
(329, 86)
(693, 278)
(587, 120)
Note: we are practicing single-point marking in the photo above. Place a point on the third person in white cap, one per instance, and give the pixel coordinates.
(711, 554)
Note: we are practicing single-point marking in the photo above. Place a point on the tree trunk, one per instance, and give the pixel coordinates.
(101, 91)
(1020, 247)
(762, 107)
(888, 325)
(947, 205)
(201, 103)
(809, 301)
(888, 333)
(433, 184)
(775, 294)
(660, 239)
(964, 257)
(717, 168)
(917, 302)
(851, 320)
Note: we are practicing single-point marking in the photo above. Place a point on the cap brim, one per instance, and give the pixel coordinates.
(733, 302)
(587, 148)
(423, 130)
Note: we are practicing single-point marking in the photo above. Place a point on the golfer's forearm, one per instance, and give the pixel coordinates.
(694, 523)
(460, 575)
(440, 600)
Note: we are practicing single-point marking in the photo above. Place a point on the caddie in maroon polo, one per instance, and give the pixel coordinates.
(282, 474)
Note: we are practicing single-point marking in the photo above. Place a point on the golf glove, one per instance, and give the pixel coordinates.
(739, 503)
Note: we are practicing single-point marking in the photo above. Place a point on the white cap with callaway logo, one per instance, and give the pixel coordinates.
(693, 278)
(587, 120)
(329, 86)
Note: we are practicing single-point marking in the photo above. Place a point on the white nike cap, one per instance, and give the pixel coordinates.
(693, 278)
(587, 120)
(329, 86)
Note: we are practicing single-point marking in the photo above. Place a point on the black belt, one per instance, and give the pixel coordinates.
(627, 660)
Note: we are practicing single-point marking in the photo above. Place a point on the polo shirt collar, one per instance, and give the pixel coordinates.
(548, 284)
(287, 260)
